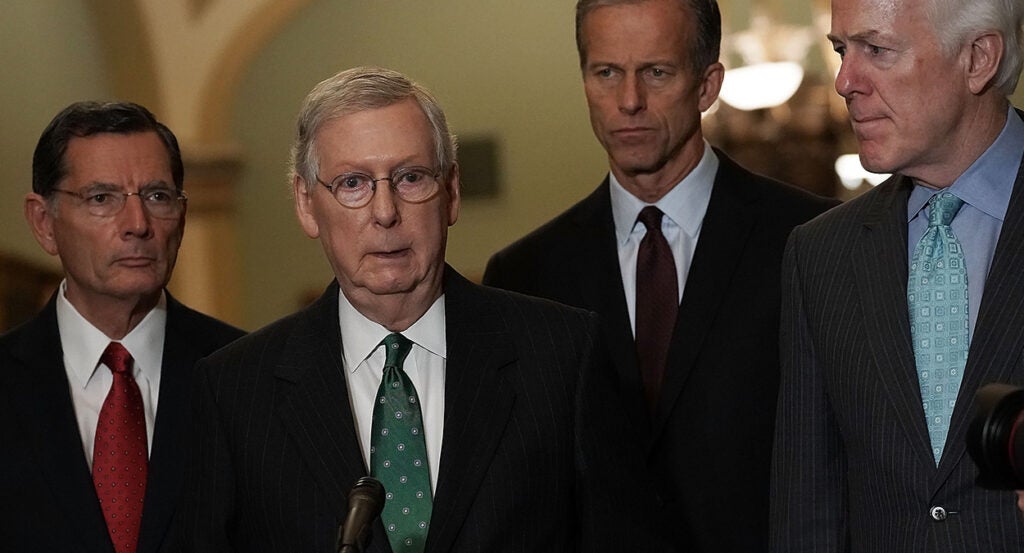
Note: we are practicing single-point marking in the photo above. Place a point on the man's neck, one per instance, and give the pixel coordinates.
(395, 312)
(977, 132)
(115, 317)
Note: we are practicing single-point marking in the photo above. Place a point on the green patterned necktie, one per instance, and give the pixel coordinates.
(937, 300)
(398, 452)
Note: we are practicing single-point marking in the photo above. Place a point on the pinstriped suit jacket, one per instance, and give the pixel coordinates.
(277, 453)
(853, 469)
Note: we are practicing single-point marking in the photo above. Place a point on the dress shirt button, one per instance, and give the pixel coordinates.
(937, 513)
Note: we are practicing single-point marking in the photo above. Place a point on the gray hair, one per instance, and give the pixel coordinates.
(359, 89)
(955, 20)
(705, 47)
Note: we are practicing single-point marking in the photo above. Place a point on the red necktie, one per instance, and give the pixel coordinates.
(119, 457)
(657, 301)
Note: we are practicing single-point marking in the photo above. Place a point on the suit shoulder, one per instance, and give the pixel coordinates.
(790, 204)
(559, 230)
(206, 332)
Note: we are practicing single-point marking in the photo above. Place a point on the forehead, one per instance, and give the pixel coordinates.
(641, 31)
(863, 18)
(114, 158)
(396, 133)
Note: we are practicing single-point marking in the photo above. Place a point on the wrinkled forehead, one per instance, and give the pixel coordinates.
(860, 17)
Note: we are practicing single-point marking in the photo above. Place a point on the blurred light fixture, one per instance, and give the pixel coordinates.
(852, 173)
(762, 85)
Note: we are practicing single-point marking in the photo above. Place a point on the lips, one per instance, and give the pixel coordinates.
(135, 260)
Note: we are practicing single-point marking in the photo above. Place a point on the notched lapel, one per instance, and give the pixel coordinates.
(997, 344)
(597, 272)
(314, 408)
(478, 405)
(881, 246)
(725, 233)
(45, 402)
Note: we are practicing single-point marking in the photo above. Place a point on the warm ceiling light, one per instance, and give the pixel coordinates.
(762, 85)
(852, 173)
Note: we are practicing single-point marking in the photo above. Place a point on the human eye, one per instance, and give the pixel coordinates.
(351, 181)
(412, 176)
(839, 48)
(159, 196)
(603, 72)
(98, 198)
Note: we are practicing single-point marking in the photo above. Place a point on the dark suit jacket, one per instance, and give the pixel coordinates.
(47, 499)
(708, 445)
(853, 469)
(277, 452)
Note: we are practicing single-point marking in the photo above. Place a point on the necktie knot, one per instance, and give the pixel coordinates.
(943, 207)
(396, 347)
(650, 216)
(117, 358)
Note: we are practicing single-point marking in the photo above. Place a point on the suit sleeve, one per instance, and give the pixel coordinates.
(204, 519)
(808, 485)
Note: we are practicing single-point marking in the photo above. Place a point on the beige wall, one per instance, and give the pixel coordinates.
(49, 57)
(506, 69)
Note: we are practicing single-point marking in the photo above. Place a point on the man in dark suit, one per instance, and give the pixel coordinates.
(485, 391)
(59, 399)
(703, 403)
(900, 304)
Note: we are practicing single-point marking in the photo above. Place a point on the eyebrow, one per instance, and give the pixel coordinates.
(866, 36)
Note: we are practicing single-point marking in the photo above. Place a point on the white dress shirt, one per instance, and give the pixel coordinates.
(684, 207)
(90, 381)
(364, 358)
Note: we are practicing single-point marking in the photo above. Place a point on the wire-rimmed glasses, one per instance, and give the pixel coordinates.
(160, 202)
(411, 184)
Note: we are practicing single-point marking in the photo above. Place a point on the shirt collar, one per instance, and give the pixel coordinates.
(362, 336)
(83, 343)
(988, 183)
(684, 205)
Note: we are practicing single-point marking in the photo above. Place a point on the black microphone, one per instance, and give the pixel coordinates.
(365, 502)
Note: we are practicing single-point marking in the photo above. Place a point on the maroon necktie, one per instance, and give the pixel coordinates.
(657, 301)
(119, 457)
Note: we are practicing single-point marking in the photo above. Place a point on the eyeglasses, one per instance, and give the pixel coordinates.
(162, 203)
(411, 184)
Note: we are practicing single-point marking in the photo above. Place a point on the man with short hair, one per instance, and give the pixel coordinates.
(679, 250)
(900, 304)
(470, 405)
(88, 464)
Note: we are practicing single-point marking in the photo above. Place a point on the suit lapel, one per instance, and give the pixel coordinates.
(165, 476)
(997, 341)
(315, 409)
(46, 407)
(729, 219)
(478, 403)
(600, 279)
(881, 246)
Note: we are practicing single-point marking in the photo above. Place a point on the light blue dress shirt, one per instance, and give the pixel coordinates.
(985, 188)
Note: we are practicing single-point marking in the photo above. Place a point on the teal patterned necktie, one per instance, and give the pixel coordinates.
(937, 300)
(398, 452)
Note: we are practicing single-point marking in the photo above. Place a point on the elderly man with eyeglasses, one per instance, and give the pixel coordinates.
(88, 465)
(480, 411)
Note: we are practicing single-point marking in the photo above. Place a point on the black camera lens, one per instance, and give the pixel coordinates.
(995, 438)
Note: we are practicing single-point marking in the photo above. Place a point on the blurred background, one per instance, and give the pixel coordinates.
(228, 76)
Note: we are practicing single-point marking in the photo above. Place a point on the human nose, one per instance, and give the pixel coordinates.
(632, 96)
(384, 203)
(849, 80)
(134, 217)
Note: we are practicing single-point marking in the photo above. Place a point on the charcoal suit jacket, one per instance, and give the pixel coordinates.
(276, 450)
(707, 445)
(47, 499)
(854, 469)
